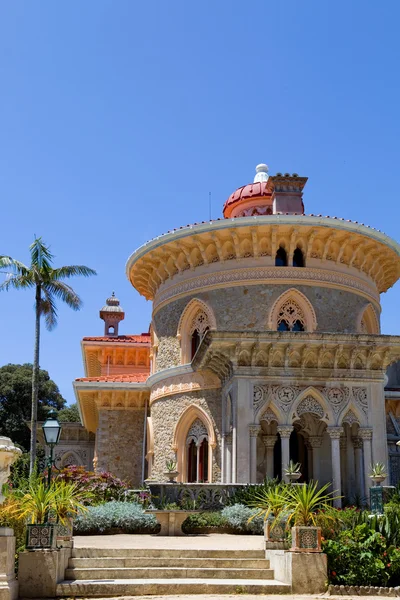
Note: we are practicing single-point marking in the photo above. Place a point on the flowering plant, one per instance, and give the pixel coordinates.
(103, 486)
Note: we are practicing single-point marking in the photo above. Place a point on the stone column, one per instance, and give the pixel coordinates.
(285, 431)
(350, 467)
(228, 458)
(269, 443)
(343, 463)
(315, 442)
(254, 430)
(358, 462)
(365, 434)
(335, 433)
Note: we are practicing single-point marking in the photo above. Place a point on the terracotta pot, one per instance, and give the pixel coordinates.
(306, 539)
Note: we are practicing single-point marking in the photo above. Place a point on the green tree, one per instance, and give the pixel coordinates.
(69, 414)
(49, 286)
(16, 398)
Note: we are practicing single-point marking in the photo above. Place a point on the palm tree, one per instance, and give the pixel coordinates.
(49, 287)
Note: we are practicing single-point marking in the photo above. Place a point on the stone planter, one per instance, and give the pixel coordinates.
(170, 520)
(41, 537)
(293, 477)
(8, 454)
(275, 535)
(172, 475)
(306, 539)
(377, 479)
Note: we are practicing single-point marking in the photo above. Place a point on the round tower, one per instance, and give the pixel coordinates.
(112, 313)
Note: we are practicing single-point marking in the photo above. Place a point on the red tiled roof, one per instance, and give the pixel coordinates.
(132, 378)
(251, 190)
(143, 338)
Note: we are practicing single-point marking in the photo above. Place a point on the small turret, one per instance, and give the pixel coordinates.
(112, 313)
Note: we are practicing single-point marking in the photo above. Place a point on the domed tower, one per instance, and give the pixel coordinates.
(112, 313)
(266, 340)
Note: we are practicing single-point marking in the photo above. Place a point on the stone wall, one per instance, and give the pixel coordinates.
(247, 308)
(168, 353)
(165, 414)
(120, 444)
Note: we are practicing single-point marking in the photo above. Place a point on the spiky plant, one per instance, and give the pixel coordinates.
(49, 286)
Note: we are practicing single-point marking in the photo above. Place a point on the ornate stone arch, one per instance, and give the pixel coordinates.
(367, 321)
(196, 315)
(293, 305)
(69, 458)
(312, 401)
(352, 414)
(182, 428)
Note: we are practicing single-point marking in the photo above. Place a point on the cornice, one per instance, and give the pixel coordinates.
(331, 240)
(167, 373)
(267, 275)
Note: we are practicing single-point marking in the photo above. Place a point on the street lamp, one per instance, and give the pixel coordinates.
(51, 431)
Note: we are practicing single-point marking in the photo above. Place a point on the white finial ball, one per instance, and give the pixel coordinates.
(261, 173)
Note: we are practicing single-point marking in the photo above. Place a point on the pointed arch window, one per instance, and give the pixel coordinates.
(298, 258)
(197, 453)
(291, 317)
(281, 257)
(199, 327)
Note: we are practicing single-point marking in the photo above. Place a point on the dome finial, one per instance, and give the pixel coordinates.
(261, 173)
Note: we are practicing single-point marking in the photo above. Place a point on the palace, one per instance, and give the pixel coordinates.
(264, 346)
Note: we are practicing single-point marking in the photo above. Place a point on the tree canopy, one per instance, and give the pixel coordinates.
(69, 414)
(16, 397)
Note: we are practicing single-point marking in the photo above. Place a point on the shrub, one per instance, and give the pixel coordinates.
(362, 557)
(238, 515)
(204, 520)
(126, 516)
(248, 494)
(103, 486)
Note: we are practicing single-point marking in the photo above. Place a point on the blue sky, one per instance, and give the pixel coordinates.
(118, 117)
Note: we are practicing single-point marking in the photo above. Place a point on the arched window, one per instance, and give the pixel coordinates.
(281, 257)
(290, 317)
(197, 453)
(298, 258)
(198, 329)
(196, 320)
(195, 341)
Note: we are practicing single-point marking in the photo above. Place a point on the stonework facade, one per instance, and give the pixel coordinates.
(264, 346)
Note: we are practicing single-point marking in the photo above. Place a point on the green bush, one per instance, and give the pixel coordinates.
(247, 494)
(204, 520)
(238, 515)
(128, 517)
(362, 557)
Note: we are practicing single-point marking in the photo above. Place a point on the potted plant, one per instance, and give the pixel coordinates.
(292, 471)
(304, 503)
(171, 471)
(272, 505)
(378, 473)
(69, 500)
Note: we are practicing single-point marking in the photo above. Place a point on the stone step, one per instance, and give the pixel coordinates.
(165, 587)
(151, 561)
(164, 553)
(167, 573)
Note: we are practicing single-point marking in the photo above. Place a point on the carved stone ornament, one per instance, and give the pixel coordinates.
(335, 432)
(357, 443)
(284, 396)
(337, 397)
(285, 430)
(360, 395)
(310, 405)
(269, 440)
(197, 433)
(268, 416)
(200, 323)
(315, 441)
(291, 313)
(260, 395)
(254, 430)
(350, 418)
(365, 433)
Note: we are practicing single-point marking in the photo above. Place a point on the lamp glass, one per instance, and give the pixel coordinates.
(51, 429)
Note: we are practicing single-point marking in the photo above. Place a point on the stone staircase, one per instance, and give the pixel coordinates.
(99, 572)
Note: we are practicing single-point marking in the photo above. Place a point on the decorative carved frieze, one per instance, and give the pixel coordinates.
(310, 405)
(335, 432)
(254, 430)
(360, 395)
(285, 430)
(269, 440)
(268, 416)
(189, 382)
(350, 418)
(365, 433)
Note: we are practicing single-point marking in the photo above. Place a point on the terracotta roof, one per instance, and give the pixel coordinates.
(131, 378)
(251, 190)
(143, 338)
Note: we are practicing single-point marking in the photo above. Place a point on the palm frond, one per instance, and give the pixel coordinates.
(64, 292)
(48, 310)
(16, 282)
(72, 271)
(41, 255)
(15, 266)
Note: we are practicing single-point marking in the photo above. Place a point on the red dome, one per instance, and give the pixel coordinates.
(249, 192)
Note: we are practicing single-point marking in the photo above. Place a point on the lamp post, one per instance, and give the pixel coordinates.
(51, 431)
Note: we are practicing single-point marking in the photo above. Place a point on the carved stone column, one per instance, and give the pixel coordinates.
(269, 443)
(228, 458)
(359, 466)
(350, 467)
(285, 431)
(335, 433)
(254, 430)
(315, 442)
(365, 434)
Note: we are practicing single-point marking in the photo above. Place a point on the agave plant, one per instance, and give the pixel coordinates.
(305, 501)
(378, 470)
(292, 468)
(69, 500)
(271, 502)
(34, 504)
(170, 465)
